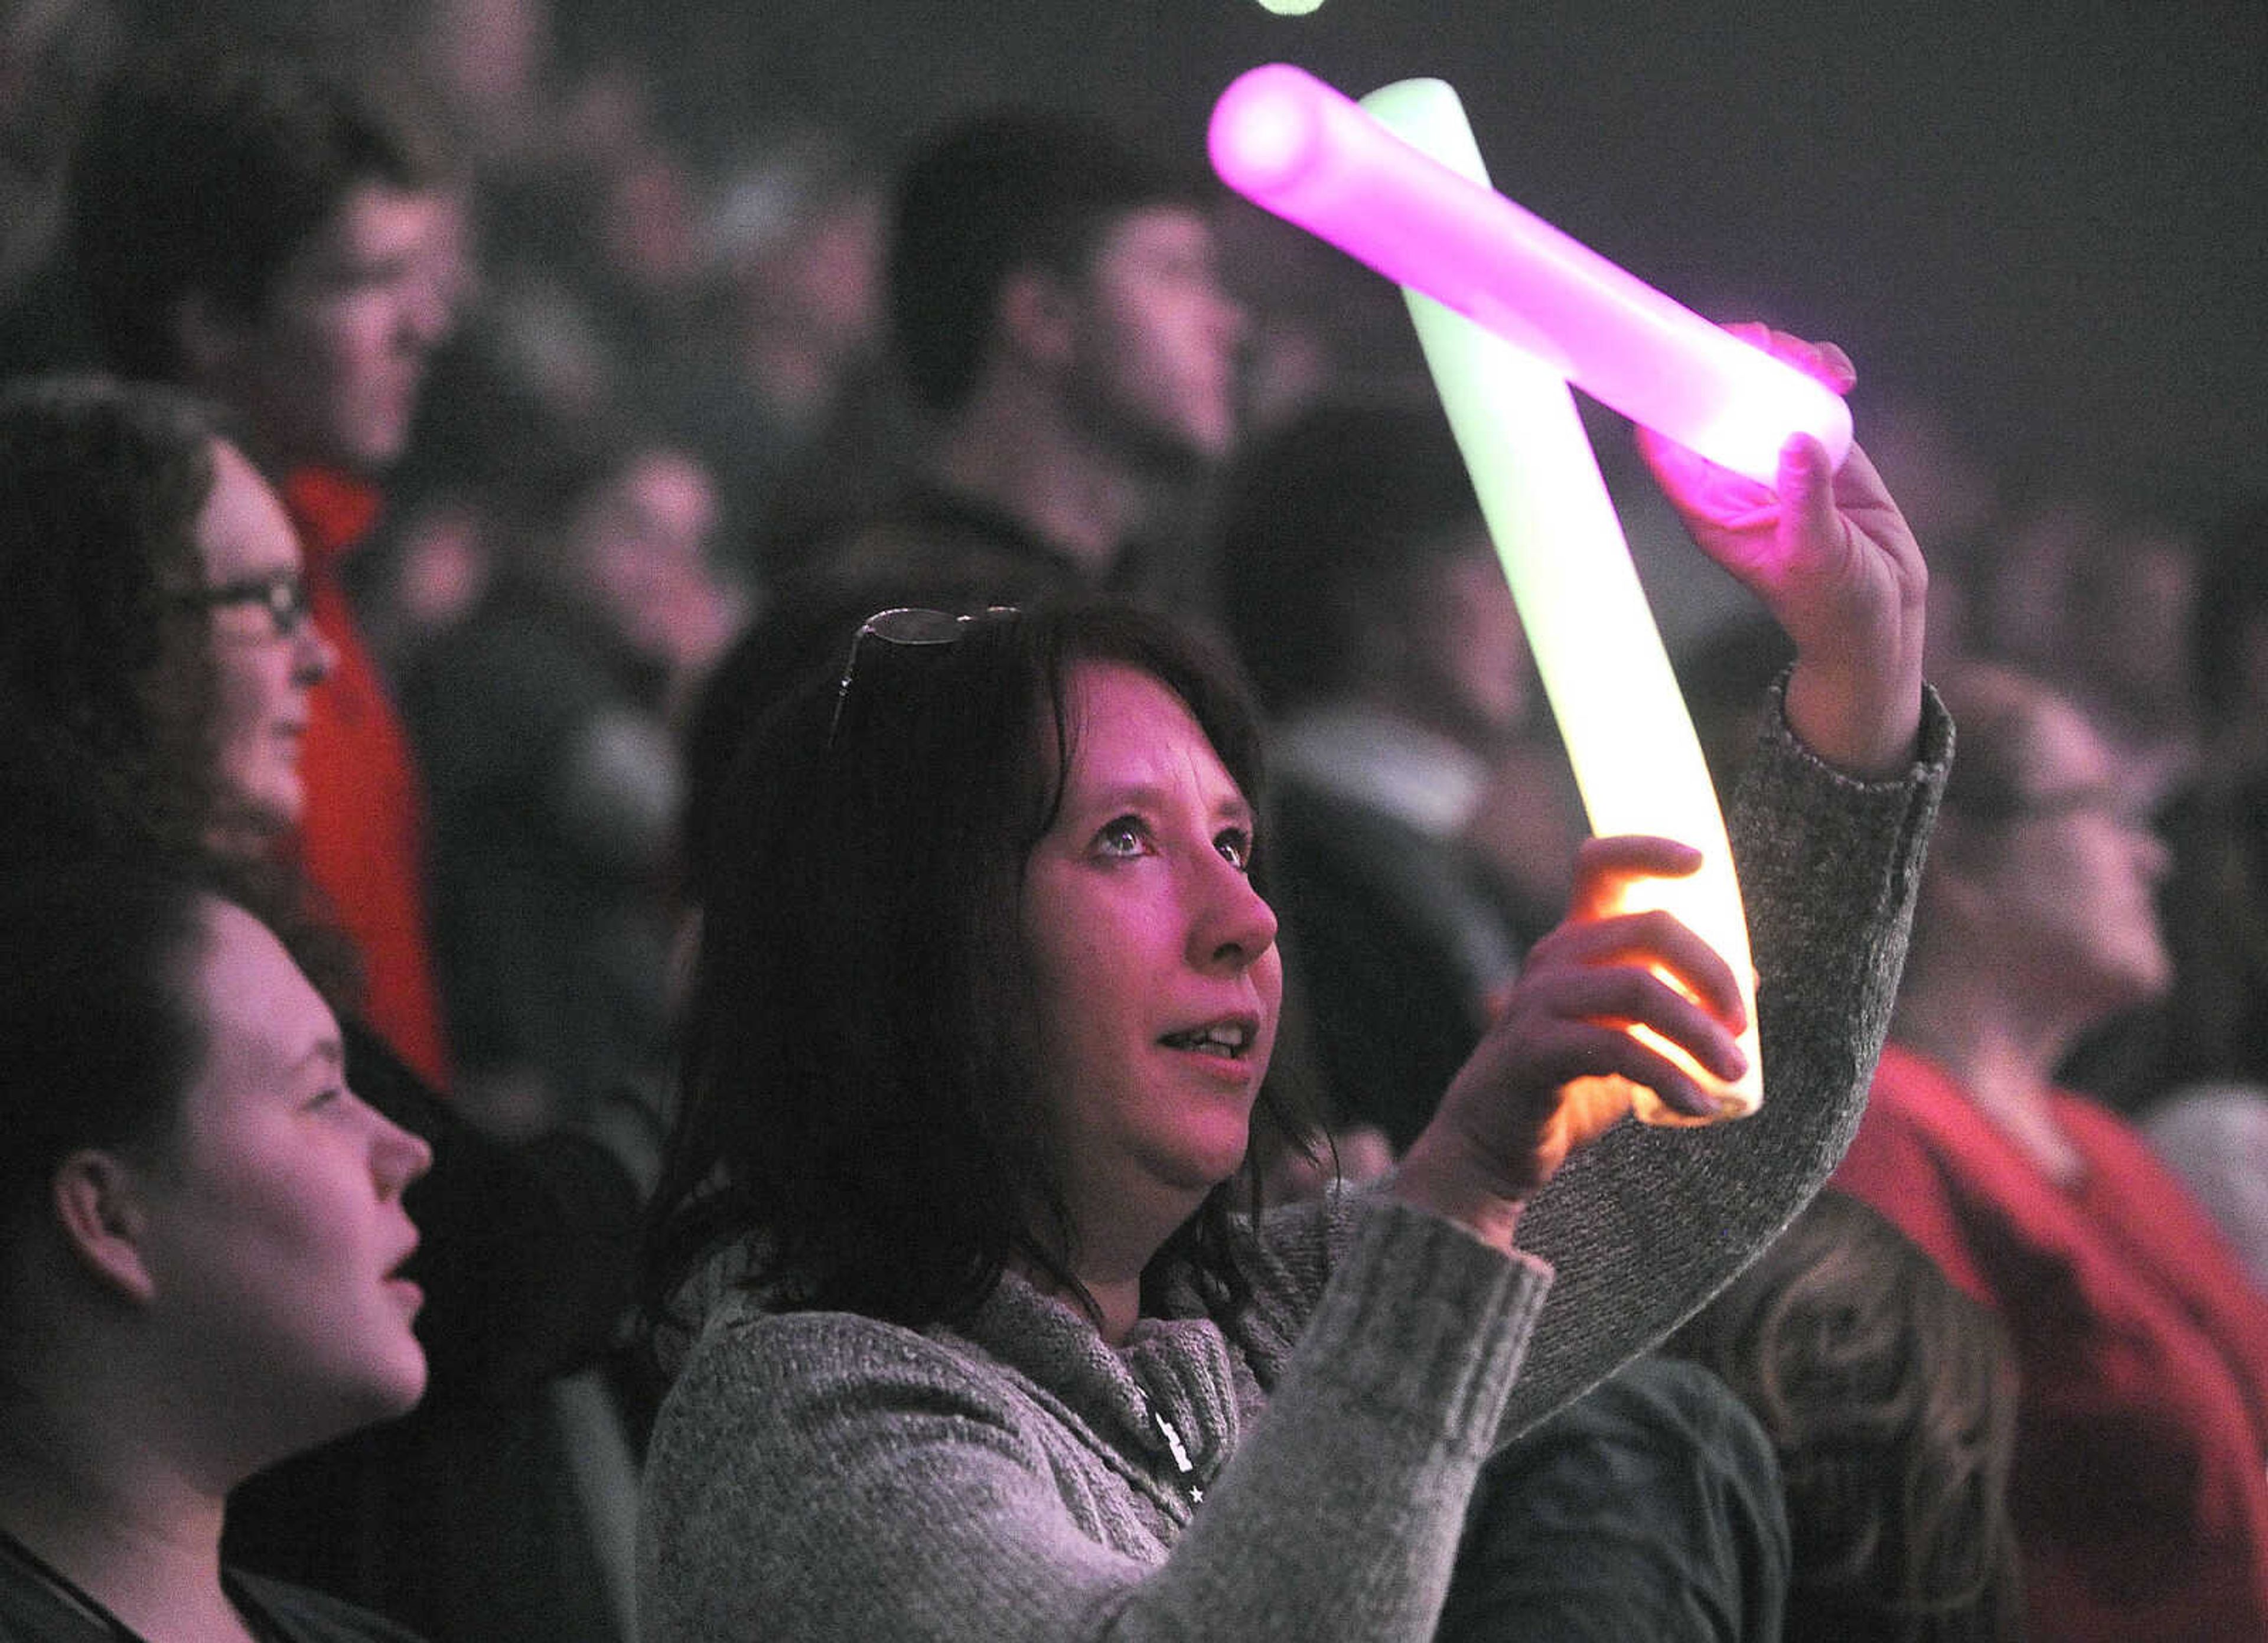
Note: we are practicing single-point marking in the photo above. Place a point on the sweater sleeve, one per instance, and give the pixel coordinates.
(817, 1475)
(1644, 1225)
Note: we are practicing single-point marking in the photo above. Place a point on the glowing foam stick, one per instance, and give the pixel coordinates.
(1596, 647)
(1308, 154)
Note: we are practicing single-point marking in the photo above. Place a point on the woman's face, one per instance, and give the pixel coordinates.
(265, 665)
(2073, 884)
(1158, 978)
(273, 1231)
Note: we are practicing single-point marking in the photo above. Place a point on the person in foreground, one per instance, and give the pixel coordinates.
(202, 1235)
(978, 1043)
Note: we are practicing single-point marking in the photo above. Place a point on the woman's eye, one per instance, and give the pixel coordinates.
(1123, 837)
(324, 1098)
(1235, 848)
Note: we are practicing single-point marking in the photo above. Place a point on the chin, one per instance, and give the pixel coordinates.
(1212, 1166)
(391, 1388)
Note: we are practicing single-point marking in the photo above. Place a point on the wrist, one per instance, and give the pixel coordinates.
(1437, 1179)
(1867, 725)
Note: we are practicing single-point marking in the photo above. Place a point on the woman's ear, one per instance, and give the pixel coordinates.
(98, 1204)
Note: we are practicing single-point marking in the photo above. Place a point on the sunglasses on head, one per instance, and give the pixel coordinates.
(908, 626)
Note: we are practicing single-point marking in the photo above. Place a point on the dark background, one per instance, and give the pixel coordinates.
(2048, 222)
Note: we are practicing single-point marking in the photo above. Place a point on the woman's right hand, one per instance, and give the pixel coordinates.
(1507, 1121)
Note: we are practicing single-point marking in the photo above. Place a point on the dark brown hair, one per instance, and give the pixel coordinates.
(97, 538)
(206, 167)
(859, 1097)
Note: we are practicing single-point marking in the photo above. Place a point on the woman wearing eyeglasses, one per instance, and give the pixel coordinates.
(980, 1340)
(167, 626)
(154, 637)
(2139, 1492)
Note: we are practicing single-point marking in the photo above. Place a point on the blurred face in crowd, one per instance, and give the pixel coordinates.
(1155, 347)
(327, 372)
(2070, 886)
(272, 1230)
(266, 656)
(641, 546)
(1466, 663)
(1158, 982)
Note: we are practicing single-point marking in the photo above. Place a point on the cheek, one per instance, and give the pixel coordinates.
(254, 687)
(342, 348)
(1268, 976)
(361, 352)
(241, 692)
(274, 1227)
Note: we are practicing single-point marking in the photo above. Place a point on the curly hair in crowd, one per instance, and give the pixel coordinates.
(1890, 1398)
(97, 535)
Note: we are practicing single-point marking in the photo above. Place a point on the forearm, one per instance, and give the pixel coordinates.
(1643, 1225)
(1342, 1511)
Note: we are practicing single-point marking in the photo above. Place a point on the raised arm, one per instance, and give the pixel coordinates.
(1832, 558)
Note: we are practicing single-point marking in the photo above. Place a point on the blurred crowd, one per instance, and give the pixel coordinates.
(563, 437)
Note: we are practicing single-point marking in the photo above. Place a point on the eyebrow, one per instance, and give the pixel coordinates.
(327, 1051)
(1151, 796)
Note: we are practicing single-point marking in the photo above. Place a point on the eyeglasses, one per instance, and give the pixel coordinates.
(2131, 810)
(285, 598)
(906, 625)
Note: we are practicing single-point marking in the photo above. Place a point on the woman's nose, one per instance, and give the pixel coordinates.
(1235, 925)
(312, 656)
(397, 1158)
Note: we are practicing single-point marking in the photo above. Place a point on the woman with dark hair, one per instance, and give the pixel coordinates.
(155, 651)
(1890, 1397)
(997, 1343)
(155, 612)
(202, 1238)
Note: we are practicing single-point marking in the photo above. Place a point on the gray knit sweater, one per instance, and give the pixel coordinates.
(820, 1476)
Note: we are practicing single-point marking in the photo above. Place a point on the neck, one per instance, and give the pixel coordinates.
(116, 1519)
(1110, 1267)
(1117, 1299)
(1015, 451)
(2004, 1061)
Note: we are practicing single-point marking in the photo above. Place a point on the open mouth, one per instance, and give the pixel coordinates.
(1232, 1038)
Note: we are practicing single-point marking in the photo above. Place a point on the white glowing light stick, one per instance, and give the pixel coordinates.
(1628, 735)
(1313, 157)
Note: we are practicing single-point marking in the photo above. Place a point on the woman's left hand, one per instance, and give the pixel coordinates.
(1508, 1120)
(1832, 558)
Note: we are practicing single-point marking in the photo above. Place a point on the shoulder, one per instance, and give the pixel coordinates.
(771, 1393)
(744, 1346)
(1918, 1128)
(1911, 1097)
(310, 1616)
(891, 1478)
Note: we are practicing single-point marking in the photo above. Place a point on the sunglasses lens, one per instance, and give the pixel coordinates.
(914, 626)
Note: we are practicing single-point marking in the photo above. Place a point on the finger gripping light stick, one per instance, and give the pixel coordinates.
(1309, 154)
(1596, 647)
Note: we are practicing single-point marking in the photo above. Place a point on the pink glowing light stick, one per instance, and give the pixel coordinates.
(1505, 391)
(1311, 156)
